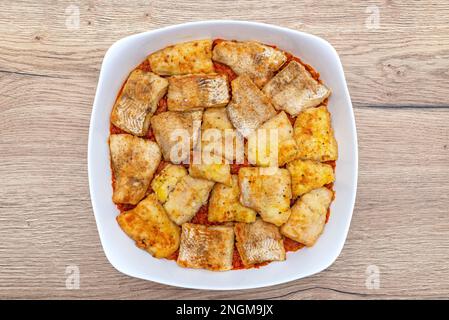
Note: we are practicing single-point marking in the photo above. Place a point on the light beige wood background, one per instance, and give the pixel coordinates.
(398, 76)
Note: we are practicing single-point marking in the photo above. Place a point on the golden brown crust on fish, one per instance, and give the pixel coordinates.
(138, 101)
(195, 92)
(133, 161)
(277, 131)
(187, 198)
(165, 181)
(251, 58)
(224, 205)
(218, 136)
(183, 58)
(206, 247)
(306, 223)
(294, 89)
(314, 135)
(249, 107)
(308, 175)
(259, 242)
(268, 191)
(169, 126)
(149, 226)
(217, 172)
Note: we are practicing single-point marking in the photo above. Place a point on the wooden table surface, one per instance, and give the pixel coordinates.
(396, 58)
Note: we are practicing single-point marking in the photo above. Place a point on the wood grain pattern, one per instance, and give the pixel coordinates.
(398, 79)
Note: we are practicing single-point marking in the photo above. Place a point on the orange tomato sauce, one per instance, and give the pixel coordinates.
(223, 69)
(144, 66)
(201, 216)
(292, 245)
(235, 167)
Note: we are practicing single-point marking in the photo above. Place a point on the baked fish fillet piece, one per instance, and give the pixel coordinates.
(183, 58)
(259, 242)
(249, 107)
(308, 175)
(268, 191)
(149, 226)
(277, 131)
(164, 182)
(294, 89)
(133, 161)
(306, 223)
(224, 205)
(138, 101)
(206, 247)
(187, 198)
(169, 126)
(218, 136)
(251, 58)
(217, 172)
(314, 135)
(195, 92)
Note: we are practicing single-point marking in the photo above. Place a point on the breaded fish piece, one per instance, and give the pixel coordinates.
(187, 198)
(259, 242)
(149, 226)
(249, 107)
(268, 191)
(164, 182)
(314, 135)
(168, 128)
(138, 101)
(251, 58)
(308, 175)
(133, 161)
(306, 223)
(206, 247)
(224, 205)
(218, 136)
(216, 118)
(294, 89)
(196, 92)
(277, 131)
(183, 58)
(217, 172)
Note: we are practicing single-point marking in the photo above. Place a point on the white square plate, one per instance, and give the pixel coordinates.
(126, 54)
